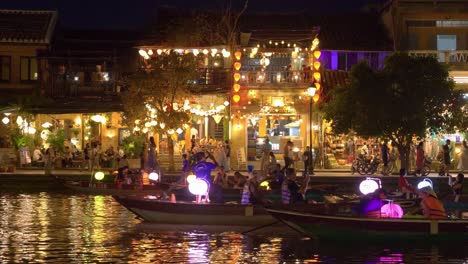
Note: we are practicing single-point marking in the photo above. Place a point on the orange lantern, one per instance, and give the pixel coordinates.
(316, 97)
(238, 54)
(237, 76)
(237, 66)
(317, 54)
(236, 98)
(317, 65)
(236, 87)
(317, 86)
(317, 76)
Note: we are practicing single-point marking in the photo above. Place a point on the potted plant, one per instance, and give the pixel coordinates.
(56, 141)
(133, 147)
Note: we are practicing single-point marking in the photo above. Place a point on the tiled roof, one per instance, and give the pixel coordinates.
(26, 26)
(332, 78)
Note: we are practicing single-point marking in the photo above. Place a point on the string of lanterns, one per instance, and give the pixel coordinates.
(236, 86)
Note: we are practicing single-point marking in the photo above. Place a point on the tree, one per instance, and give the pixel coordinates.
(410, 96)
(155, 100)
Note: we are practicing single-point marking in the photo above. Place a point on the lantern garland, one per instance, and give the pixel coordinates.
(316, 68)
(237, 76)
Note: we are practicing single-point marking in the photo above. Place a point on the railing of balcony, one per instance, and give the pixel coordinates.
(449, 56)
(71, 88)
(288, 78)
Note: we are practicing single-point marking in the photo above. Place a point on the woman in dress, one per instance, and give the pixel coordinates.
(463, 163)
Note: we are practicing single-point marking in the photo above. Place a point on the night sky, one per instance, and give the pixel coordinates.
(135, 14)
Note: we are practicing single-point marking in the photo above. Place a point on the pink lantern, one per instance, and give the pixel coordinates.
(391, 210)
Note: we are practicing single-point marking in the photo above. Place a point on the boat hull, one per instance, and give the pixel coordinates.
(127, 190)
(188, 213)
(355, 228)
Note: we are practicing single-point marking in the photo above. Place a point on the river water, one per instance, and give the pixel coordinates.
(58, 227)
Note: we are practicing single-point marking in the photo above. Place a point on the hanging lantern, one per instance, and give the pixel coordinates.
(425, 183)
(237, 66)
(19, 120)
(317, 65)
(198, 187)
(315, 42)
(217, 118)
(236, 98)
(154, 176)
(171, 131)
(369, 185)
(162, 125)
(144, 130)
(316, 97)
(159, 51)
(205, 51)
(317, 76)
(236, 87)
(195, 52)
(317, 54)
(5, 120)
(237, 76)
(99, 175)
(238, 54)
(317, 86)
(191, 178)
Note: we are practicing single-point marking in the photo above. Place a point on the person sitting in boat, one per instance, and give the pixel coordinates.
(370, 204)
(219, 182)
(431, 206)
(289, 188)
(121, 176)
(457, 186)
(403, 184)
(238, 181)
(203, 168)
(250, 192)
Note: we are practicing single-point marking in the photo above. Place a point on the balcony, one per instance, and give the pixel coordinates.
(457, 59)
(68, 88)
(212, 80)
(276, 79)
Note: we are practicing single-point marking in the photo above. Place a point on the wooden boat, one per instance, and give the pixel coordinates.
(111, 189)
(335, 222)
(188, 213)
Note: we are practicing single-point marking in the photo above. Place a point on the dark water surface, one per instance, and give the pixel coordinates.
(69, 228)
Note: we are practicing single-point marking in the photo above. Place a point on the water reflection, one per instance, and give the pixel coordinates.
(60, 228)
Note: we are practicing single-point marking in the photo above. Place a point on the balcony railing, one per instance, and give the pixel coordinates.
(458, 57)
(59, 88)
(285, 78)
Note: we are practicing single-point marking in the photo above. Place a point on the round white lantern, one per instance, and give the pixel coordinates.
(368, 186)
(99, 175)
(198, 187)
(425, 183)
(154, 176)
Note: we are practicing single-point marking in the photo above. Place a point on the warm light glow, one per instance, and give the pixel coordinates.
(205, 51)
(236, 87)
(31, 130)
(425, 183)
(98, 118)
(145, 130)
(147, 124)
(226, 103)
(317, 86)
(191, 178)
(143, 53)
(317, 54)
(150, 52)
(368, 186)
(217, 118)
(159, 51)
(238, 55)
(315, 42)
(457, 150)
(391, 210)
(237, 76)
(162, 125)
(99, 175)
(236, 98)
(311, 91)
(198, 187)
(19, 120)
(265, 185)
(317, 65)
(154, 176)
(5, 120)
(316, 97)
(237, 66)
(317, 76)
(171, 131)
(195, 52)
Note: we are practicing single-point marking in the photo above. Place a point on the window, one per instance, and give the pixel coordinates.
(446, 43)
(5, 63)
(28, 69)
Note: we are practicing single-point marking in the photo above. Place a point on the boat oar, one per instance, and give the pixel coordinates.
(259, 227)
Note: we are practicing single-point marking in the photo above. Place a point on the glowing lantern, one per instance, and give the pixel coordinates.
(316, 97)
(236, 98)
(226, 103)
(198, 187)
(179, 130)
(19, 120)
(317, 54)
(99, 175)
(317, 86)
(237, 87)
(5, 120)
(265, 184)
(238, 55)
(457, 150)
(391, 210)
(195, 52)
(145, 130)
(147, 124)
(162, 125)
(154, 176)
(368, 185)
(317, 65)
(205, 51)
(237, 76)
(425, 183)
(237, 66)
(317, 76)
(46, 125)
(171, 131)
(191, 178)
(150, 52)
(217, 118)
(159, 51)
(143, 53)
(315, 42)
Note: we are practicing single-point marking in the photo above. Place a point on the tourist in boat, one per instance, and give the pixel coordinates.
(250, 192)
(431, 207)
(370, 205)
(238, 181)
(218, 184)
(403, 184)
(289, 188)
(457, 186)
(203, 168)
(122, 174)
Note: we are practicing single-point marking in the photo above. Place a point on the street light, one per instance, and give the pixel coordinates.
(311, 94)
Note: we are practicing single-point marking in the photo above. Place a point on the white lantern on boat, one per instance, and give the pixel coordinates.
(154, 176)
(425, 183)
(198, 187)
(99, 175)
(191, 178)
(369, 185)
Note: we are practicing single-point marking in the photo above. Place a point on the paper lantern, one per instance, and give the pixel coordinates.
(237, 76)
(265, 184)
(154, 176)
(317, 76)
(315, 42)
(317, 86)
(198, 187)
(191, 178)
(392, 210)
(368, 186)
(236, 87)
(236, 98)
(5, 120)
(316, 97)
(317, 65)
(99, 175)
(238, 55)
(317, 54)
(425, 183)
(237, 66)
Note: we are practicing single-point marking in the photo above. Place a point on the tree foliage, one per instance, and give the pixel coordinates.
(410, 96)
